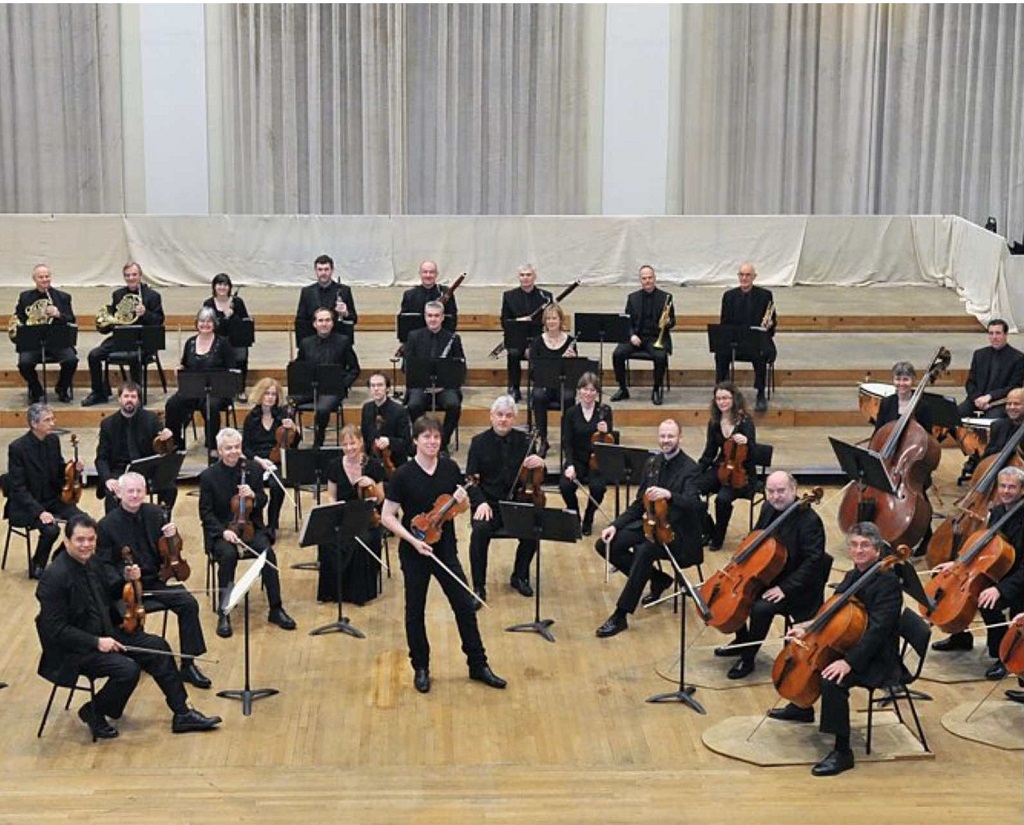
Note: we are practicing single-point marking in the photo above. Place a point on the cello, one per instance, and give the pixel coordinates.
(973, 506)
(909, 453)
(839, 625)
(954, 591)
(731, 592)
(1011, 648)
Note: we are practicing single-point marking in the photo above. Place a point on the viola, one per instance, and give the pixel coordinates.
(385, 454)
(285, 438)
(131, 595)
(656, 524)
(985, 560)
(163, 446)
(529, 485)
(428, 526)
(1011, 648)
(241, 511)
(71, 491)
(730, 593)
(732, 470)
(839, 625)
(909, 453)
(598, 437)
(172, 564)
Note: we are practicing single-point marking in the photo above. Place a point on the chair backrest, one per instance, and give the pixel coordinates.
(763, 455)
(916, 634)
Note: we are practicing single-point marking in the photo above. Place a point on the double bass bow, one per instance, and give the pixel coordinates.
(909, 453)
(731, 592)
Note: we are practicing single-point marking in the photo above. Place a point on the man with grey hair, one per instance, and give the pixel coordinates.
(35, 476)
(435, 343)
(46, 305)
(495, 457)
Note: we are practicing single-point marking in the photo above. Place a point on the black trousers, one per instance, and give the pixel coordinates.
(514, 365)
(448, 400)
(1002, 612)
(479, 545)
(179, 410)
(624, 350)
(762, 613)
(966, 410)
(760, 365)
(570, 493)
(540, 400)
(835, 705)
(28, 361)
(632, 554)
(50, 533)
(417, 570)
(724, 498)
(226, 555)
(325, 405)
(122, 671)
(182, 604)
(97, 357)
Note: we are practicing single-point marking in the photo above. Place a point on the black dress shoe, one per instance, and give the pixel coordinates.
(657, 398)
(614, 625)
(728, 650)
(587, 525)
(742, 668)
(792, 713)
(1015, 696)
(97, 722)
(761, 404)
(521, 586)
(482, 593)
(224, 626)
(64, 394)
(483, 673)
(192, 720)
(92, 399)
(997, 671)
(835, 762)
(958, 641)
(659, 584)
(421, 680)
(517, 396)
(281, 619)
(36, 571)
(194, 676)
(621, 395)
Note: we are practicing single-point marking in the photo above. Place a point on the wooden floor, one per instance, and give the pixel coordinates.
(348, 739)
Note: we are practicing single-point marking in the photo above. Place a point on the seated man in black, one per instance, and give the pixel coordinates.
(872, 662)
(35, 469)
(646, 308)
(995, 370)
(126, 436)
(329, 294)
(218, 484)
(749, 306)
(798, 589)
(1003, 429)
(78, 628)
(670, 476)
(45, 305)
(384, 423)
(520, 304)
(328, 349)
(139, 526)
(416, 298)
(435, 342)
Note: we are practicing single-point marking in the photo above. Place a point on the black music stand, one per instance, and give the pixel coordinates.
(557, 374)
(139, 340)
(301, 468)
(433, 375)
(242, 333)
(42, 337)
(518, 335)
(405, 322)
(601, 327)
(740, 341)
(330, 525)
(684, 692)
(247, 695)
(622, 465)
(526, 522)
(942, 410)
(207, 384)
(863, 467)
(160, 471)
(306, 379)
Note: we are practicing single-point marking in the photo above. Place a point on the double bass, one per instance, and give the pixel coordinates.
(1011, 648)
(730, 592)
(909, 454)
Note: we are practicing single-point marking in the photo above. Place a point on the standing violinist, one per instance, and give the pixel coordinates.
(126, 436)
(730, 432)
(1003, 429)
(1007, 595)
(520, 304)
(260, 436)
(579, 424)
(799, 588)
(353, 476)
(872, 661)
(384, 423)
(495, 458)
(415, 489)
(139, 526)
(230, 311)
(35, 476)
(672, 477)
(222, 488)
(554, 342)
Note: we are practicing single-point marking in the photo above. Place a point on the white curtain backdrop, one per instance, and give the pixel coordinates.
(60, 108)
(387, 109)
(848, 108)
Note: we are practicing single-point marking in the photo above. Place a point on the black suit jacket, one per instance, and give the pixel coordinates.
(313, 297)
(36, 475)
(875, 659)
(750, 313)
(803, 577)
(334, 350)
(396, 428)
(1011, 586)
(517, 304)
(634, 309)
(416, 298)
(419, 344)
(218, 483)
(889, 410)
(112, 453)
(117, 530)
(995, 372)
(1003, 429)
(61, 300)
(485, 459)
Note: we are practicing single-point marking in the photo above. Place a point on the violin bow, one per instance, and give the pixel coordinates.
(280, 484)
(255, 555)
(380, 561)
(193, 657)
(460, 582)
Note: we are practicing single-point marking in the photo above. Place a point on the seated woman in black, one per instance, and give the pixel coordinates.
(553, 342)
(729, 426)
(579, 423)
(230, 311)
(360, 571)
(259, 437)
(204, 352)
(904, 379)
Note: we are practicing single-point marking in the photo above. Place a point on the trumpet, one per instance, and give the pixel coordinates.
(663, 322)
(35, 314)
(768, 313)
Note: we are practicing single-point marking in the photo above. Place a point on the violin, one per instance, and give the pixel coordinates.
(428, 526)
(529, 486)
(374, 493)
(598, 437)
(909, 453)
(385, 454)
(241, 511)
(656, 524)
(131, 595)
(1011, 648)
(987, 558)
(71, 491)
(163, 446)
(839, 625)
(730, 593)
(172, 565)
(285, 438)
(732, 470)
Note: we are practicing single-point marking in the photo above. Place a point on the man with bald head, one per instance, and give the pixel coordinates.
(48, 306)
(749, 306)
(415, 299)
